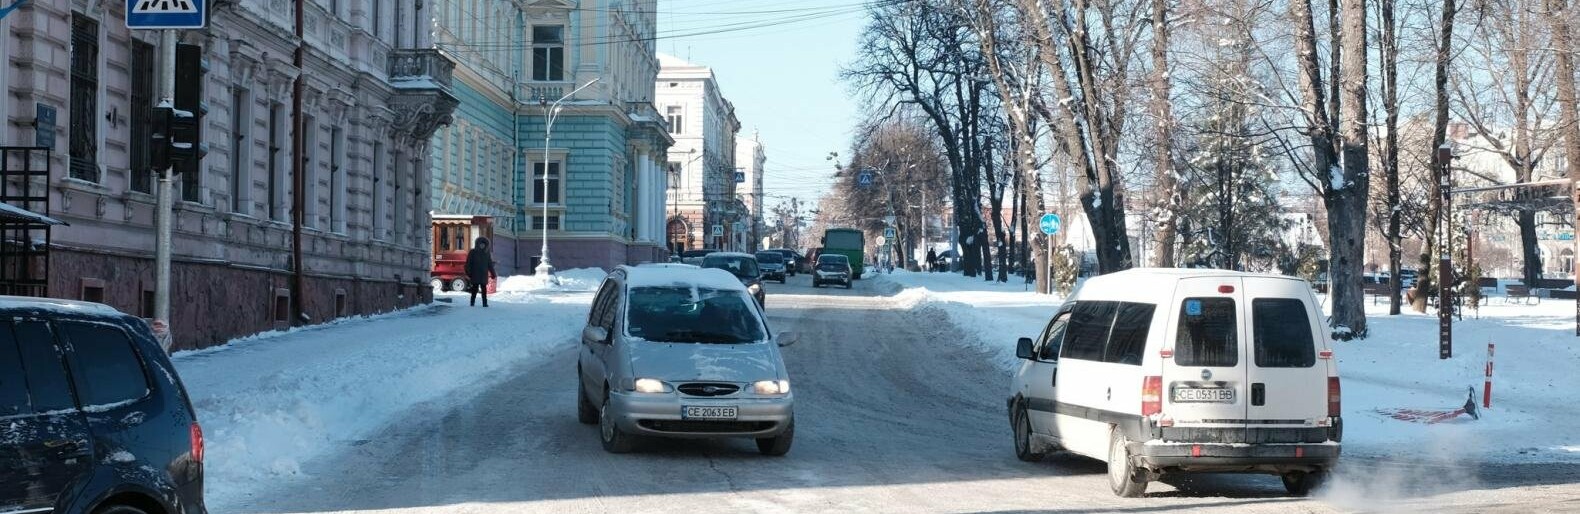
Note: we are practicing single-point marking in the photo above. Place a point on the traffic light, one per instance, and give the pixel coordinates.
(159, 140)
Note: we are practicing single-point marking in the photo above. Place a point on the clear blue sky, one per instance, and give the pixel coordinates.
(778, 61)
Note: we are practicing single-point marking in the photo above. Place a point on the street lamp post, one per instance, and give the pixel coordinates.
(551, 112)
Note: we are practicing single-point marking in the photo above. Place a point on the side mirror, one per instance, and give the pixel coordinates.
(597, 334)
(1023, 348)
(788, 338)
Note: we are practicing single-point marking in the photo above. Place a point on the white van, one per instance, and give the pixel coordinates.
(1183, 370)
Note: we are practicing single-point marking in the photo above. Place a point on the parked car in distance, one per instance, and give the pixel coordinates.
(743, 267)
(1163, 371)
(684, 353)
(772, 265)
(694, 257)
(832, 268)
(92, 414)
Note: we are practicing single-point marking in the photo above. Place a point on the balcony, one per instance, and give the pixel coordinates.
(420, 64)
(422, 101)
(550, 91)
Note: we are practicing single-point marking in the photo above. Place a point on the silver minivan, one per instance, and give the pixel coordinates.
(683, 353)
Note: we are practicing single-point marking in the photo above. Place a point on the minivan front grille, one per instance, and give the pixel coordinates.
(708, 389)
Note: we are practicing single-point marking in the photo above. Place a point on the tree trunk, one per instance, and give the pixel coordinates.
(1347, 216)
(1167, 197)
(1389, 57)
(1558, 15)
(1445, 48)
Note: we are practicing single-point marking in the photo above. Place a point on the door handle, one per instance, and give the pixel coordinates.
(66, 448)
(1110, 393)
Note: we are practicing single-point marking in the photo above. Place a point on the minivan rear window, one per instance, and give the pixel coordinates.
(1206, 335)
(106, 369)
(1282, 333)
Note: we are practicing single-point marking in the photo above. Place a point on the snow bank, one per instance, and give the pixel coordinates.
(269, 403)
(998, 312)
(1396, 367)
(579, 279)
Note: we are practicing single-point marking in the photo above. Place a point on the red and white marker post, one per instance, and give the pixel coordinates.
(1486, 390)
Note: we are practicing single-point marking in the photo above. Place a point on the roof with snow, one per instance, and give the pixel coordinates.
(31, 303)
(707, 278)
(13, 213)
(1148, 281)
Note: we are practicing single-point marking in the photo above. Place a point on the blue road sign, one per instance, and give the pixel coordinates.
(864, 179)
(165, 14)
(888, 232)
(1049, 223)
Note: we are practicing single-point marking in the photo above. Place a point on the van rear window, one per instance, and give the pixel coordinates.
(1207, 333)
(1282, 333)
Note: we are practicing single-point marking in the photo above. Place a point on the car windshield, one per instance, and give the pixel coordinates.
(682, 314)
(770, 258)
(738, 265)
(832, 260)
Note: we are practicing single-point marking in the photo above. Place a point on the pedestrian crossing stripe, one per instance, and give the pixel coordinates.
(164, 6)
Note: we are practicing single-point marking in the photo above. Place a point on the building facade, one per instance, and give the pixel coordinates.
(701, 167)
(602, 181)
(371, 98)
(750, 158)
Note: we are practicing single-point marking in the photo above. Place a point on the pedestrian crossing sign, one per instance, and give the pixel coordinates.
(165, 14)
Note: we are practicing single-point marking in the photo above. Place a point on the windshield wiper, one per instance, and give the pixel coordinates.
(700, 336)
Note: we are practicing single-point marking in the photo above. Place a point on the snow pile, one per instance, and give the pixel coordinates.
(580, 279)
(1395, 367)
(270, 403)
(1000, 312)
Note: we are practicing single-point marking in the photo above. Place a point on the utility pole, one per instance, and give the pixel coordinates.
(1445, 271)
(298, 176)
(162, 225)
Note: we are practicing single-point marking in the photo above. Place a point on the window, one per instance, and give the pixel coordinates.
(601, 302)
(1087, 336)
(310, 165)
(548, 52)
(84, 98)
(46, 377)
(240, 148)
(337, 180)
(141, 116)
(378, 189)
(13, 381)
(1206, 334)
(104, 367)
(188, 97)
(282, 305)
(677, 120)
(546, 184)
(1282, 333)
(92, 290)
(684, 314)
(276, 153)
(554, 222)
(1053, 337)
(1129, 338)
(376, 21)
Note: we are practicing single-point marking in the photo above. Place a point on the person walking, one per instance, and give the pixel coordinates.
(932, 260)
(479, 268)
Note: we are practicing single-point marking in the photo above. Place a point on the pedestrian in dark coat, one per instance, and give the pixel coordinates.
(932, 260)
(479, 267)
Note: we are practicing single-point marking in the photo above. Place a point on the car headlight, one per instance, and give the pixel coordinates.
(649, 385)
(755, 288)
(771, 387)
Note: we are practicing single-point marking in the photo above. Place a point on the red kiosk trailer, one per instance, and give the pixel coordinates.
(453, 235)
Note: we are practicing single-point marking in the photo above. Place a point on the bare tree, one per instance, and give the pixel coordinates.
(1563, 43)
(1167, 200)
(1388, 57)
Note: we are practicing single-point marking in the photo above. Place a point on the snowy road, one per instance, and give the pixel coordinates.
(893, 415)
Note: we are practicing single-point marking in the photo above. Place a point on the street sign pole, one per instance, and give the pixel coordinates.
(1050, 225)
(162, 244)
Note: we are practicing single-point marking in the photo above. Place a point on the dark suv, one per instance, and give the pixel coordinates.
(92, 416)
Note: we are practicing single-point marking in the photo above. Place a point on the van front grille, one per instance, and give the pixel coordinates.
(708, 389)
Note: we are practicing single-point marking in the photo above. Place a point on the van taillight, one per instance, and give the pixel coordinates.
(1333, 396)
(197, 443)
(1151, 395)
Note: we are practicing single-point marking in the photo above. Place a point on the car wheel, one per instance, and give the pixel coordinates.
(777, 446)
(437, 284)
(847, 284)
(1022, 427)
(586, 412)
(1301, 483)
(1123, 476)
(119, 509)
(614, 439)
(458, 284)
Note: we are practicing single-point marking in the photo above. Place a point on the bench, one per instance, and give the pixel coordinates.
(1520, 293)
(1378, 292)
